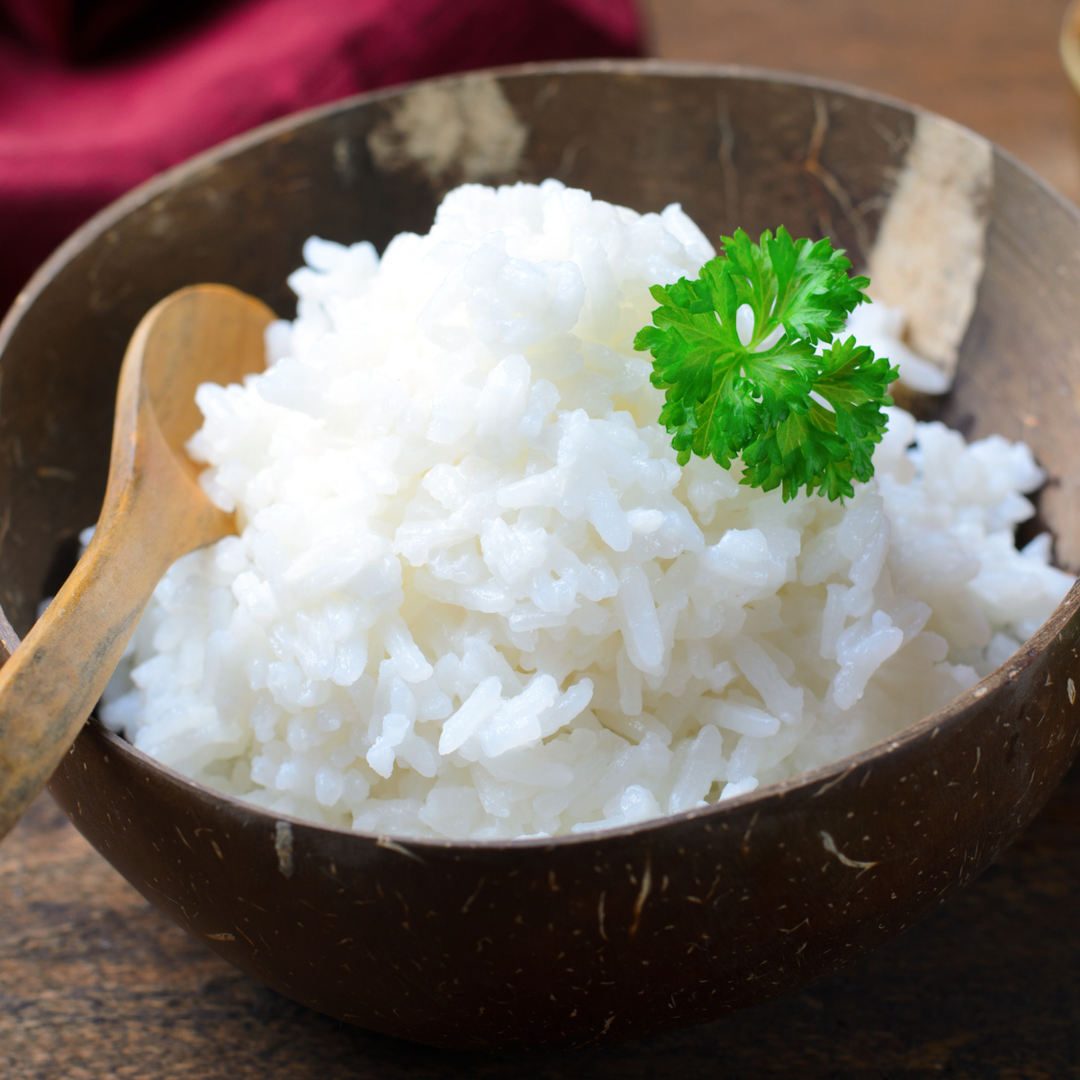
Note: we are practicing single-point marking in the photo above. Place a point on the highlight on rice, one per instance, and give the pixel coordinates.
(475, 596)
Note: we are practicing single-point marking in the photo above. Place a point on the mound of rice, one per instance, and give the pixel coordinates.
(475, 596)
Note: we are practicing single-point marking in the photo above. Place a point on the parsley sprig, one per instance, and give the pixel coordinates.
(796, 417)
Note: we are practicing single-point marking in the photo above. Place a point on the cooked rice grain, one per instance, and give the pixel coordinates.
(474, 595)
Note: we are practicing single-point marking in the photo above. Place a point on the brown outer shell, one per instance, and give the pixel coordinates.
(565, 942)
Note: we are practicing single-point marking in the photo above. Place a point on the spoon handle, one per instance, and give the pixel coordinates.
(53, 680)
(154, 512)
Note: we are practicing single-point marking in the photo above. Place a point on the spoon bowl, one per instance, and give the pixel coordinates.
(154, 512)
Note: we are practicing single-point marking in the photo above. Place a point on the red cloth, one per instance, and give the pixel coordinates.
(73, 28)
(73, 138)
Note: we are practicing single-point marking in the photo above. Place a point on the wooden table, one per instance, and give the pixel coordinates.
(94, 984)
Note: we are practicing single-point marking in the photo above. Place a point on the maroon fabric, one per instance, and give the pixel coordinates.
(72, 138)
(72, 28)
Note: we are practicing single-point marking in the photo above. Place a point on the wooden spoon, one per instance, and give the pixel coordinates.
(154, 512)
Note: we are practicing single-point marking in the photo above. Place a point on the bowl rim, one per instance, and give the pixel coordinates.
(823, 777)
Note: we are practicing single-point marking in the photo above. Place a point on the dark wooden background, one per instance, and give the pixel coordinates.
(95, 985)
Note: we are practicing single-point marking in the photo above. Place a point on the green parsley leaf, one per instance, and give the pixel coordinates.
(796, 417)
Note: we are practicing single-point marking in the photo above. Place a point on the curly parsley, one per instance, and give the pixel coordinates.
(796, 417)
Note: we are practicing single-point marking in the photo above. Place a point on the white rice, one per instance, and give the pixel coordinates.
(475, 596)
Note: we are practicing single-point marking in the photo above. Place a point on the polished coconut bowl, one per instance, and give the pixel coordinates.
(570, 941)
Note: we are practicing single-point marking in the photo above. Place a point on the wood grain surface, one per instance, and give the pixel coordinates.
(95, 984)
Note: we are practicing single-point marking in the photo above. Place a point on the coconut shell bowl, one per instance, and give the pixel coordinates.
(570, 941)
